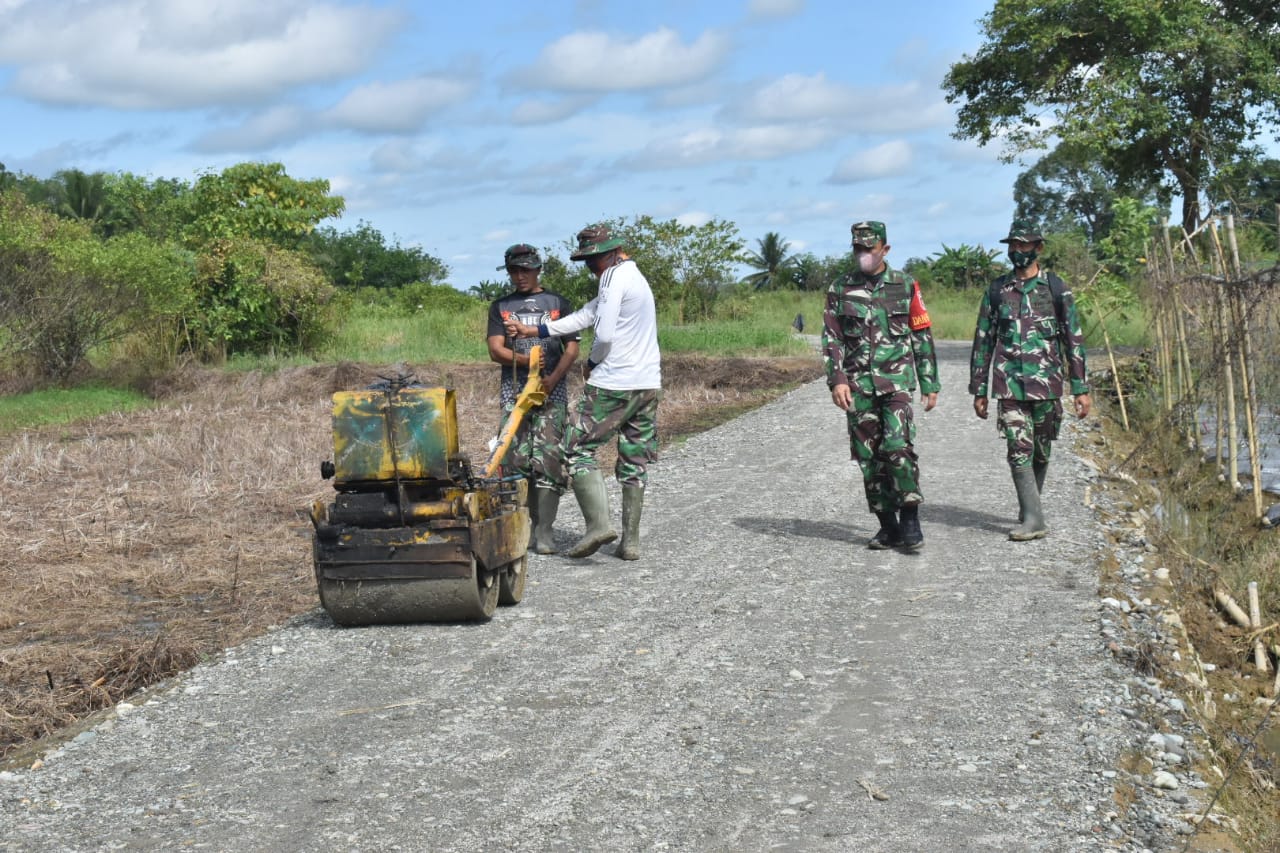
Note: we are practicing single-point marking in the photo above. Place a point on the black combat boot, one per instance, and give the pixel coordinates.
(909, 522)
(889, 535)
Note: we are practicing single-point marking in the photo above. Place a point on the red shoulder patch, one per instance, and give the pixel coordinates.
(919, 314)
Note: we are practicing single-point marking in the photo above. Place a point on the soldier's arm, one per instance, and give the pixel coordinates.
(833, 341)
(983, 347)
(1073, 344)
(926, 357)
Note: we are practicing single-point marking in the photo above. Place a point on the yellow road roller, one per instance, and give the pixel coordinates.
(413, 534)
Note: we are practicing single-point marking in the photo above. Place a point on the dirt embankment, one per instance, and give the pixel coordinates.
(133, 546)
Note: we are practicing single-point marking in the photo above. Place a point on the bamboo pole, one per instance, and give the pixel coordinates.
(1248, 382)
(1235, 611)
(1248, 378)
(1260, 659)
(1115, 374)
(1228, 371)
(1162, 356)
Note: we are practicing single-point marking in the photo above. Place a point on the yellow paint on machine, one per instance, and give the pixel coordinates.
(411, 433)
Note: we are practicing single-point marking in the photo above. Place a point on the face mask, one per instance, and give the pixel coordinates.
(868, 262)
(1022, 260)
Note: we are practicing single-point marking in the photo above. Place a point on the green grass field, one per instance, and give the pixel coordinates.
(59, 406)
(745, 325)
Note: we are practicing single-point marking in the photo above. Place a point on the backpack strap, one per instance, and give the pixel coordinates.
(1057, 289)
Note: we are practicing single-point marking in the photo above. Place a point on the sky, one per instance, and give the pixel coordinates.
(462, 129)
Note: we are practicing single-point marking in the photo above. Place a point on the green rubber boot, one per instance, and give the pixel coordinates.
(1032, 526)
(593, 500)
(1040, 469)
(632, 505)
(545, 506)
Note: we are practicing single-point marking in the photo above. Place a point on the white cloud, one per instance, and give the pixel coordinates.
(548, 112)
(704, 145)
(397, 156)
(155, 54)
(694, 218)
(599, 62)
(883, 161)
(805, 98)
(775, 8)
(401, 106)
(266, 130)
(798, 97)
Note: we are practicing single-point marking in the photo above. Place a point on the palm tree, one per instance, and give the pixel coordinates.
(772, 261)
(83, 196)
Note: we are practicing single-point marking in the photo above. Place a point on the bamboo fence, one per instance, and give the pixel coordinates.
(1216, 353)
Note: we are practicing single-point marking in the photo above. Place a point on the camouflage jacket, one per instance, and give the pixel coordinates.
(868, 339)
(1029, 341)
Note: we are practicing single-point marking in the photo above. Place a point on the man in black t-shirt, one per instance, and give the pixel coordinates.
(535, 452)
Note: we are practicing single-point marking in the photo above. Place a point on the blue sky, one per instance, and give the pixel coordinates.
(463, 128)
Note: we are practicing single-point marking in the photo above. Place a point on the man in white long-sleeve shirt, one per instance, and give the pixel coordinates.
(624, 385)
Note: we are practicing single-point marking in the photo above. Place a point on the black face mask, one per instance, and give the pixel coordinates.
(1022, 260)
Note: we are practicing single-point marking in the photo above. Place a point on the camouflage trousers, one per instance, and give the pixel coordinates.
(535, 451)
(882, 434)
(1029, 428)
(632, 415)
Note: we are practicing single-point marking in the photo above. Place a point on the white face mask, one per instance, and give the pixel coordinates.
(868, 262)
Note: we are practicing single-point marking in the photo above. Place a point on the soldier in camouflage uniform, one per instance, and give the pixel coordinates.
(876, 343)
(624, 385)
(1027, 329)
(535, 452)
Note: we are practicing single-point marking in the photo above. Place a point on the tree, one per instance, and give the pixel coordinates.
(258, 201)
(1067, 189)
(686, 265)
(1249, 188)
(252, 296)
(771, 259)
(160, 208)
(65, 292)
(488, 291)
(362, 258)
(809, 272)
(965, 267)
(1156, 91)
(81, 195)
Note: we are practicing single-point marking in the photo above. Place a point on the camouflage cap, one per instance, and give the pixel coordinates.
(1024, 231)
(521, 255)
(869, 233)
(595, 240)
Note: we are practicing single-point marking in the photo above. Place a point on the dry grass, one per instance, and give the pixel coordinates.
(132, 546)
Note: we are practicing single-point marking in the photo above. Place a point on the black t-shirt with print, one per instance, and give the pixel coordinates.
(531, 309)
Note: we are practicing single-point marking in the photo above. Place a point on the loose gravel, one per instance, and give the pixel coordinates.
(759, 680)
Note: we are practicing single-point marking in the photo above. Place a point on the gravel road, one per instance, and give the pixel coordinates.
(758, 681)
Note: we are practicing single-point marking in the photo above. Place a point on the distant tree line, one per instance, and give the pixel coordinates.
(234, 262)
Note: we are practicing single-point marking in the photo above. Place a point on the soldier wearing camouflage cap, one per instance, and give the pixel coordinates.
(876, 344)
(624, 385)
(1028, 342)
(535, 452)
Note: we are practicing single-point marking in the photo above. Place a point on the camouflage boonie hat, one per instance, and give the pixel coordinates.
(1024, 231)
(869, 233)
(595, 240)
(521, 255)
